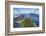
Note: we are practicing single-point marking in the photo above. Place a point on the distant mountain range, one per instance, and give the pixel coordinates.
(27, 14)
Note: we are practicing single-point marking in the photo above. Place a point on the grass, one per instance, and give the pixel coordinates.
(27, 23)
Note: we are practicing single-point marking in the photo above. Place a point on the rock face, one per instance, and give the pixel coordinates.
(19, 19)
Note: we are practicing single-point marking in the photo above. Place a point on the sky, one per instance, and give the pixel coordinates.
(25, 10)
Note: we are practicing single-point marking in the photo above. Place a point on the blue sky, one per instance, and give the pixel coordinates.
(25, 10)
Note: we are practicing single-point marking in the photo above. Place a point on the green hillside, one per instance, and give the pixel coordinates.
(27, 23)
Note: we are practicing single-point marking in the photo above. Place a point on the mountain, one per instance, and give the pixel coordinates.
(31, 16)
(34, 17)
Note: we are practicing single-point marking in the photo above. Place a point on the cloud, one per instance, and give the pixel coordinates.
(25, 10)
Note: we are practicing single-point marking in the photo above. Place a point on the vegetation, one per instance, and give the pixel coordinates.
(30, 20)
(27, 23)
